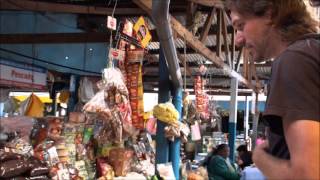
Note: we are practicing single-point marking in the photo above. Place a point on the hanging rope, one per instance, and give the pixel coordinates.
(111, 64)
(185, 64)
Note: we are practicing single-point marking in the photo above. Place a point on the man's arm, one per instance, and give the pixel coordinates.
(302, 138)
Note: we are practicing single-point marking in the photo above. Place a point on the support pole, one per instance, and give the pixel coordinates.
(246, 119)
(255, 120)
(233, 117)
(162, 145)
(175, 146)
(54, 103)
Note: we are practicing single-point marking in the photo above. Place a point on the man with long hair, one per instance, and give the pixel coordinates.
(284, 31)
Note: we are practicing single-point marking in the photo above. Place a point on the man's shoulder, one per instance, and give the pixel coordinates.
(306, 48)
(308, 45)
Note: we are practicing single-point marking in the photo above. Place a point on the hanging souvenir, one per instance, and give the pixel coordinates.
(127, 28)
(134, 83)
(142, 32)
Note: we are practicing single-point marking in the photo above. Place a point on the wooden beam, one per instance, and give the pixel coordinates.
(218, 35)
(237, 65)
(245, 70)
(209, 3)
(65, 8)
(233, 50)
(207, 25)
(190, 50)
(225, 37)
(254, 75)
(190, 11)
(192, 41)
(48, 38)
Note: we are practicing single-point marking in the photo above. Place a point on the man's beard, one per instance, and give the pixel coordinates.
(263, 51)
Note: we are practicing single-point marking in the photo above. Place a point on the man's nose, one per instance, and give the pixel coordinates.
(239, 39)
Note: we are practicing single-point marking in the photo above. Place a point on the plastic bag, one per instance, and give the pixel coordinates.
(113, 77)
(4, 94)
(85, 91)
(166, 171)
(151, 126)
(96, 104)
(166, 112)
(195, 132)
(10, 106)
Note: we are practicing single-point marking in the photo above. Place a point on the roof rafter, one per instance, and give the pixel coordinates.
(65, 8)
(192, 41)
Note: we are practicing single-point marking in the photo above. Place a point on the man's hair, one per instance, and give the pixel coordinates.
(290, 17)
(242, 148)
(314, 3)
(220, 148)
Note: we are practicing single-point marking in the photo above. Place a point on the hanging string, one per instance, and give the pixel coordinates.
(185, 63)
(33, 53)
(118, 36)
(111, 34)
(112, 15)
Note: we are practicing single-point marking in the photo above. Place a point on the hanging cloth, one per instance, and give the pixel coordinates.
(32, 106)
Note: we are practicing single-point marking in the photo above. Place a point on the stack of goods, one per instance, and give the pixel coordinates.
(16, 153)
(14, 165)
(202, 99)
(120, 159)
(73, 150)
(112, 106)
(135, 86)
(113, 130)
(64, 147)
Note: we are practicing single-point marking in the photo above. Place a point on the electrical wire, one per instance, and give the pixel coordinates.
(47, 62)
(114, 8)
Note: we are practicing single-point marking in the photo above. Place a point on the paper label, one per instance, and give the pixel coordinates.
(112, 23)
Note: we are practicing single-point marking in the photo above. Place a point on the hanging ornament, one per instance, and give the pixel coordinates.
(142, 32)
(202, 69)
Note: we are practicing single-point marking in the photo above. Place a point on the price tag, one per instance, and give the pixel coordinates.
(116, 54)
(112, 23)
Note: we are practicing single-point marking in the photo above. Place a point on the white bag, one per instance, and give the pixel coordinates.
(86, 91)
(195, 132)
(10, 106)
